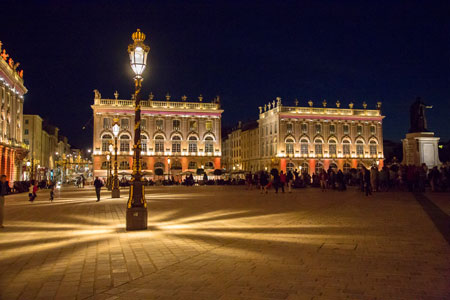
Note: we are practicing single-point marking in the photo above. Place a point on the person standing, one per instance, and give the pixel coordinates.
(98, 186)
(290, 179)
(367, 186)
(283, 180)
(4, 190)
(263, 182)
(323, 180)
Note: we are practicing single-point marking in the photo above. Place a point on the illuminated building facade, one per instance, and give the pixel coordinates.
(315, 138)
(177, 136)
(12, 91)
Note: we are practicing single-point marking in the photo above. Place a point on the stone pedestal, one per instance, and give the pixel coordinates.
(419, 148)
(136, 218)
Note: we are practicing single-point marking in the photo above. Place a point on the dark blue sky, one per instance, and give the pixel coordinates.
(246, 52)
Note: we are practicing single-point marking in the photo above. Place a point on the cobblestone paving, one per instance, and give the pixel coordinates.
(225, 243)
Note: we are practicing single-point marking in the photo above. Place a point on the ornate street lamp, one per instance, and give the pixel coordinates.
(137, 206)
(115, 182)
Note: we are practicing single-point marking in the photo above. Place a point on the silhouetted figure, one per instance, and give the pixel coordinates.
(98, 186)
(417, 116)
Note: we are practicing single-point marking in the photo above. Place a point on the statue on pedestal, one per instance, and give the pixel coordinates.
(417, 116)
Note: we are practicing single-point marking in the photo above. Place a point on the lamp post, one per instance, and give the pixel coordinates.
(137, 206)
(108, 172)
(115, 182)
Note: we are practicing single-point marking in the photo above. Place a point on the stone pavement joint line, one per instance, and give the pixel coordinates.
(227, 243)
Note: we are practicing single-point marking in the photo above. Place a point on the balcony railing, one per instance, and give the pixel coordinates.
(159, 104)
(330, 111)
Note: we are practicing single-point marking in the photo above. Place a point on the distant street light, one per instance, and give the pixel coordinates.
(137, 206)
(115, 183)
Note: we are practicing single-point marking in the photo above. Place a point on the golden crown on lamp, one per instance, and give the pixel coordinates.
(138, 36)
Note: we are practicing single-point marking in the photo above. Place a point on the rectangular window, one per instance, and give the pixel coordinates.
(26, 121)
(159, 124)
(373, 149)
(106, 123)
(318, 128)
(372, 129)
(105, 146)
(359, 149)
(124, 123)
(209, 125)
(159, 146)
(270, 128)
(176, 125)
(193, 125)
(276, 127)
(346, 129)
(332, 129)
(176, 147)
(209, 148)
(359, 129)
(124, 146)
(346, 149)
(304, 128)
(144, 124)
(26, 132)
(289, 148)
(193, 146)
(304, 148)
(332, 149)
(289, 128)
(144, 145)
(318, 148)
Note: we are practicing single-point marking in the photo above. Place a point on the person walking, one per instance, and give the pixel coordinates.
(98, 186)
(4, 190)
(290, 179)
(263, 182)
(33, 192)
(276, 181)
(323, 180)
(52, 191)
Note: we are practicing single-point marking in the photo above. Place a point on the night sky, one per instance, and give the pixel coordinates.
(246, 52)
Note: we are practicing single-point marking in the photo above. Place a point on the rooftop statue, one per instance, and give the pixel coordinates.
(417, 116)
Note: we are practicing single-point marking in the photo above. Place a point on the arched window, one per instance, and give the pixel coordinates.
(289, 146)
(332, 147)
(176, 144)
(192, 144)
(143, 143)
(318, 147)
(176, 165)
(290, 166)
(347, 167)
(346, 147)
(192, 165)
(373, 147)
(209, 145)
(125, 143)
(304, 147)
(334, 167)
(359, 148)
(124, 165)
(106, 140)
(158, 165)
(159, 143)
(304, 168)
(319, 167)
(209, 165)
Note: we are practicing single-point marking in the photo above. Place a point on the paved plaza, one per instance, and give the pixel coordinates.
(227, 243)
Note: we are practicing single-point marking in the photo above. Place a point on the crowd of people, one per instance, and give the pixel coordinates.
(392, 177)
